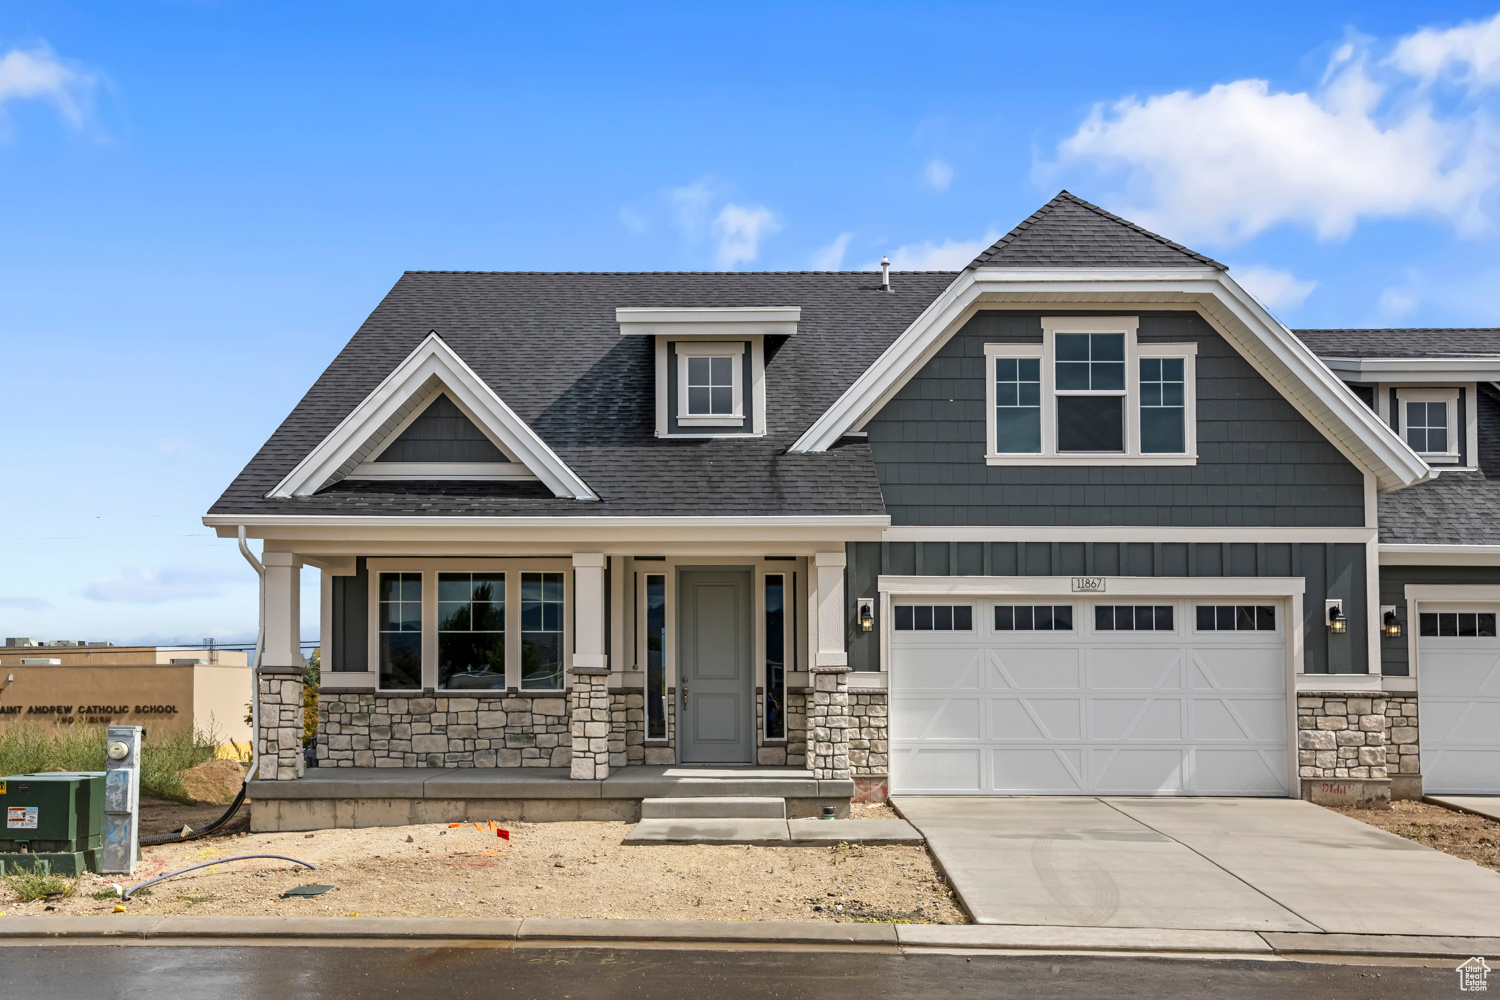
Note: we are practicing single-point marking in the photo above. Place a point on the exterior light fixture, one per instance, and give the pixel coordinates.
(1390, 624)
(1337, 623)
(867, 615)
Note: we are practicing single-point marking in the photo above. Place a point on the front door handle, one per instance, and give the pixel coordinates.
(684, 690)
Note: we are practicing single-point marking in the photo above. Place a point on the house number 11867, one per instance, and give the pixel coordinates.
(1088, 584)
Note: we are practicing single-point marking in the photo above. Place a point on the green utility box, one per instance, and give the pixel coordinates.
(54, 823)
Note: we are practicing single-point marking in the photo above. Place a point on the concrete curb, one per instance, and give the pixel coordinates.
(537, 930)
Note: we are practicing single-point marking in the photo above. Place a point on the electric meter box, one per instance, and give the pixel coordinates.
(54, 822)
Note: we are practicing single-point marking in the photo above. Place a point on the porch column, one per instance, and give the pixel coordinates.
(283, 621)
(828, 719)
(278, 680)
(588, 695)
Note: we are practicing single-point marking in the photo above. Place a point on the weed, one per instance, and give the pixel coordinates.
(31, 886)
(33, 749)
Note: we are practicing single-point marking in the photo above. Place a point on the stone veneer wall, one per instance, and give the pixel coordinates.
(374, 729)
(1403, 753)
(589, 708)
(280, 692)
(829, 723)
(796, 727)
(1341, 735)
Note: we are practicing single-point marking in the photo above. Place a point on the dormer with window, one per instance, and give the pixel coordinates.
(710, 366)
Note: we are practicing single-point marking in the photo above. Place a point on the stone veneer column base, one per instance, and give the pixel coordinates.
(589, 717)
(829, 723)
(1342, 748)
(280, 692)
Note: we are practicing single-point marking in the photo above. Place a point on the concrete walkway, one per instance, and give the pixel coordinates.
(1487, 806)
(1268, 865)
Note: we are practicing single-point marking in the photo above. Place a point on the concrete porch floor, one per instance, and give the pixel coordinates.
(347, 797)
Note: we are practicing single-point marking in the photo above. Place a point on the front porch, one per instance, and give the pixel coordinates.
(352, 797)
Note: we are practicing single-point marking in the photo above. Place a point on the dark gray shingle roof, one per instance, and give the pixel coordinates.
(1413, 343)
(548, 344)
(1070, 232)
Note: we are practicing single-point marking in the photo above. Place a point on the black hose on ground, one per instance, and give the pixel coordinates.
(180, 838)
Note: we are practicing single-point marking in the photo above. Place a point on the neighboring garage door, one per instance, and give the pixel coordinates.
(1458, 699)
(1050, 696)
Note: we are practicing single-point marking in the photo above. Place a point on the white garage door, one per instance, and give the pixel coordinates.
(1049, 696)
(1458, 700)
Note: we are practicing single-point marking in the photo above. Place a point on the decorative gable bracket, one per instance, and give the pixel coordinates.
(381, 414)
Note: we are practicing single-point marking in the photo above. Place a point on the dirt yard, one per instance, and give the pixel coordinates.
(1462, 835)
(544, 870)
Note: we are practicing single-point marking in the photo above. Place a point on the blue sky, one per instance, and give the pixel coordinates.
(199, 202)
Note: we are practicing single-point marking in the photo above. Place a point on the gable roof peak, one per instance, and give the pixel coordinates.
(1071, 232)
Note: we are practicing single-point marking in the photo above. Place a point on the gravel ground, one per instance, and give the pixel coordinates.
(544, 870)
(1462, 835)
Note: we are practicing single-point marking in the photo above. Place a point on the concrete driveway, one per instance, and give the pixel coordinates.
(1197, 863)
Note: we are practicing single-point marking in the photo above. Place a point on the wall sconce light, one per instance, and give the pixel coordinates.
(866, 614)
(1390, 626)
(1337, 623)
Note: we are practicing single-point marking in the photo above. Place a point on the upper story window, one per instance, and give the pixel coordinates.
(1429, 422)
(710, 390)
(1090, 393)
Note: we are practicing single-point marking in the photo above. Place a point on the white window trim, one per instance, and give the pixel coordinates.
(1445, 394)
(710, 349)
(1046, 351)
(429, 569)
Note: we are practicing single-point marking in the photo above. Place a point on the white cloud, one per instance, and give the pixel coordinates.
(1397, 303)
(634, 220)
(831, 257)
(938, 174)
(37, 74)
(949, 255)
(1276, 289)
(690, 205)
(1469, 53)
(148, 587)
(26, 604)
(1231, 162)
(739, 230)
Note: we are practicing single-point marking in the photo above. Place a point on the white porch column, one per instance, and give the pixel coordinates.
(830, 584)
(283, 613)
(588, 610)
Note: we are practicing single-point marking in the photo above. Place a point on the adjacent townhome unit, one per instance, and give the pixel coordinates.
(1081, 518)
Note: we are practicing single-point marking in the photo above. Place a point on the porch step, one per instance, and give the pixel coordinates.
(714, 807)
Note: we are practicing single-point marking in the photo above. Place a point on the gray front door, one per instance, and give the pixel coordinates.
(714, 680)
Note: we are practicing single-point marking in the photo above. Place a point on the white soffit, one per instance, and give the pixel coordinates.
(1271, 348)
(1461, 369)
(433, 360)
(710, 324)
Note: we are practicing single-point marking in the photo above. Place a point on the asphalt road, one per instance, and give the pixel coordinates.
(486, 973)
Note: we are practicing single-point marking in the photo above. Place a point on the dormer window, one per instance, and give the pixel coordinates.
(710, 390)
(1429, 422)
(710, 365)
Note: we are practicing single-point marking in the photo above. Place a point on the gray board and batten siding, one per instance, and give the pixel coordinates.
(1335, 570)
(1260, 463)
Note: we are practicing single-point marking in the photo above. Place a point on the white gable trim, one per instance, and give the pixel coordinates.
(1271, 348)
(433, 359)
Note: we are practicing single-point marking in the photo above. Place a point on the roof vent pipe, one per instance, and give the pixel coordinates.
(885, 274)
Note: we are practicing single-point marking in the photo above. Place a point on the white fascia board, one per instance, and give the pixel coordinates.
(1396, 554)
(432, 358)
(1460, 369)
(750, 321)
(1122, 533)
(1283, 359)
(881, 521)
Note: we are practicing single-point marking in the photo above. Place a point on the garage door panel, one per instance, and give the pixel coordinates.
(1461, 721)
(1032, 667)
(1239, 772)
(1239, 718)
(1458, 717)
(1036, 770)
(1071, 712)
(1252, 669)
(1132, 669)
(1137, 770)
(939, 770)
(1148, 719)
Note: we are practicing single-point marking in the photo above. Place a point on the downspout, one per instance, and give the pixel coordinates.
(260, 641)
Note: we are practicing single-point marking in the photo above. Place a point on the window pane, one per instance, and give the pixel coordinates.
(1005, 618)
(722, 401)
(1107, 375)
(1104, 618)
(1429, 623)
(963, 618)
(1144, 618)
(1467, 624)
(1244, 618)
(400, 631)
(1072, 347)
(1091, 423)
(471, 631)
(1107, 347)
(1447, 623)
(1018, 413)
(924, 617)
(1072, 375)
(1062, 617)
(1487, 624)
(541, 631)
(942, 618)
(1043, 618)
(1265, 618)
(1164, 618)
(775, 657)
(1025, 619)
(1225, 616)
(1205, 618)
(722, 371)
(656, 657)
(699, 399)
(698, 371)
(1018, 430)
(1162, 431)
(903, 617)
